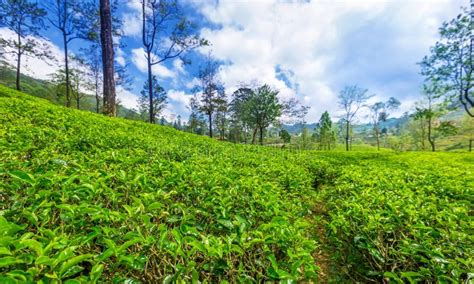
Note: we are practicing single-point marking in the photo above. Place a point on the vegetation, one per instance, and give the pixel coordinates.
(90, 198)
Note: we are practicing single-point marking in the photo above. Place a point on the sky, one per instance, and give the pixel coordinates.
(308, 50)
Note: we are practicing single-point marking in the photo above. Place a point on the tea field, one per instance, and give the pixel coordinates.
(86, 198)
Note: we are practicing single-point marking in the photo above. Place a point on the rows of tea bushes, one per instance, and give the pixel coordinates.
(87, 198)
(403, 218)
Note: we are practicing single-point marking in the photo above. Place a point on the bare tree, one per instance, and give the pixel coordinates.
(166, 34)
(351, 99)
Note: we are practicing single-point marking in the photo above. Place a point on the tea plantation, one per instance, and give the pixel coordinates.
(86, 198)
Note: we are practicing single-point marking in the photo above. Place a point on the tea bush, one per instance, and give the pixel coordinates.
(86, 198)
(405, 218)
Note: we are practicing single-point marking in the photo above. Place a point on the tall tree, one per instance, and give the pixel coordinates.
(196, 121)
(109, 107)
(452, 59)
(159, 100)
(430, 110)
(265, 108)
(379, 112)
(222, 108)
(209, 92)
(25, 19)
(324, 132)
(92, 58)
(239, 108)
(351, 100)
(67, 16)
(166, 34)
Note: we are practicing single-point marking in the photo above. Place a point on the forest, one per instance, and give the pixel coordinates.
(137, 158)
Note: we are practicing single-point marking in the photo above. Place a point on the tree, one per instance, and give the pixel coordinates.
(196, 121)
(324, 132)
(430, 109)
(67, 16)
(285, 136)
(222, 107)
(379, 112)
(451, 60)
(25, 19)
(92, 58)
(239, 107)
(109, 107)
(76, 78)
(166, 34)
(351, 99)
(210, 92)
(264, 108)
(92, 55)
(159, 100)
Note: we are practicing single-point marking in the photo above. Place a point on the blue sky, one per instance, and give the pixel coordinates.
(309, 50)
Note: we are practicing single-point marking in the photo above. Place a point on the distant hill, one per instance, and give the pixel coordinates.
(46, 90)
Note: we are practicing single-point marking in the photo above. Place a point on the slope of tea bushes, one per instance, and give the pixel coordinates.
(405, 218)
(85, 197)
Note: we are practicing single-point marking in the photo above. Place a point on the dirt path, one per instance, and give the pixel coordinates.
(322, 254)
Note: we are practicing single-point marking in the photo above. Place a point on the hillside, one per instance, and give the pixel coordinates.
(87, 198)
(47, 90)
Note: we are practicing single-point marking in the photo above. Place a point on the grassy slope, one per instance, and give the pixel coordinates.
(47, 90)
(88, 197)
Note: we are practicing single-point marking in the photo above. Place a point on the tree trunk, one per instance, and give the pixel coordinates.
(378, 141)
(18, 64)
(210, 125)
(97, 99)
(261, 135)
(347, 135)
(430, 137)
(151, 110)
(18, 73)
(254, 135)
(107, 58)
(66, 64)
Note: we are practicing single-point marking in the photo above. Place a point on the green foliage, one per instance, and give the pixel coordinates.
(285, 136)
(324, 133)
(405, 218)
(159, 97)
(88, 198)
(451, 59)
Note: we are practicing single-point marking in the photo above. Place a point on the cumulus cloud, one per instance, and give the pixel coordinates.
(33, 66)
(178, 102)
(310, 50)
(160, 70)
(127, 98)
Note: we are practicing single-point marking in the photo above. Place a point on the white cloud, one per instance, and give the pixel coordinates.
(178, 102)
(127, 98)
(32, 66)
(325, 44)
(160, 70)
(132, 24)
